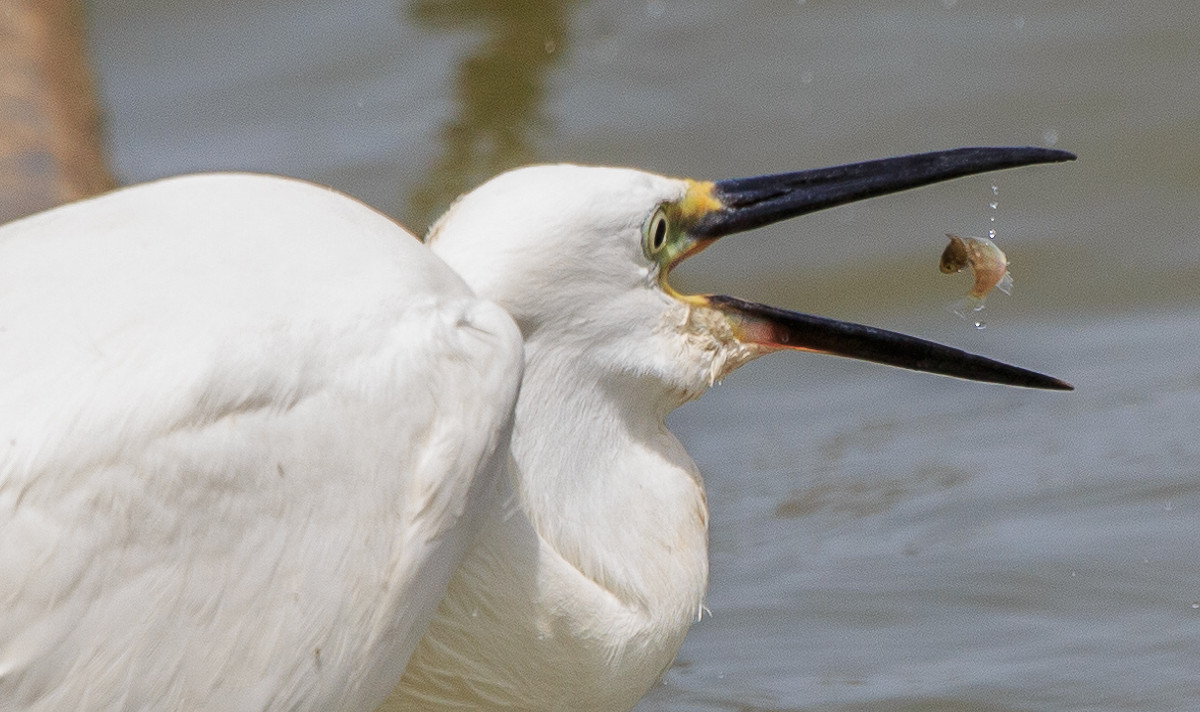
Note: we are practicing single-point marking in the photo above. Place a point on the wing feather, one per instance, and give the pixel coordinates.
(248, 425)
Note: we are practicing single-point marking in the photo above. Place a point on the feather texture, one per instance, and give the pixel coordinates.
(248, 428)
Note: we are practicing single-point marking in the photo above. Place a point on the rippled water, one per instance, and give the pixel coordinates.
(881, 540)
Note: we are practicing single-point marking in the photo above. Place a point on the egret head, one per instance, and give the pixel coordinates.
(580, 256)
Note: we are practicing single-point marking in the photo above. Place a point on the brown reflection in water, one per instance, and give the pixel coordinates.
(49, 121)
(499, 91)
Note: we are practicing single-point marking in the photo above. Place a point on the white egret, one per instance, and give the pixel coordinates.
(260, 449)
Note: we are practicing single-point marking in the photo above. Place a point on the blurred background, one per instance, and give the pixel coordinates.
(881, 540)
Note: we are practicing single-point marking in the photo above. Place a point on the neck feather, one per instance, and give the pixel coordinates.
(605, 482)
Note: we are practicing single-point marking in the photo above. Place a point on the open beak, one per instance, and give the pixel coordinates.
(730, 206)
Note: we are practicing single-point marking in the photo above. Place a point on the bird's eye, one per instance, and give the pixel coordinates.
(656, 232)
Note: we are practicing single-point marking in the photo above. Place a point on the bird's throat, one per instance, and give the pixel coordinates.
(605, 482)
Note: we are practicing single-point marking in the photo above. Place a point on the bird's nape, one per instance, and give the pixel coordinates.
(716, 209)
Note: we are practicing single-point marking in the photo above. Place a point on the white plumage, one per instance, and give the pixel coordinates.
(586, 580)
(248, 427)
(261, 449)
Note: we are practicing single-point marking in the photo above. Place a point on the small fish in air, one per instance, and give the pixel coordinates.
(987, 262)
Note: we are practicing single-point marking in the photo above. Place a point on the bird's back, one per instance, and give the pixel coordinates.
(247, 427)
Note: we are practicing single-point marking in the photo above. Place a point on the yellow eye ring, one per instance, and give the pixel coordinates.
(656, 232)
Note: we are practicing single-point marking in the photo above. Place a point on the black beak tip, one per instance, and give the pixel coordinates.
(1033, 379)
(1060, 385)
(1022, 155)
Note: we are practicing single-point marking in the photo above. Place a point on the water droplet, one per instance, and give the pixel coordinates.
(992, 205)
(550, 46)
(995, 190)
(1195, 604)
(1169, 505)
(991, 234)
(1050, 137)
(980, 324)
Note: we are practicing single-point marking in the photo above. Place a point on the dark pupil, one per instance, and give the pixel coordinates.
(660, 233)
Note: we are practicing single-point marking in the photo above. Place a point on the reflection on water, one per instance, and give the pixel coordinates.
(499, 90)
(49, 121)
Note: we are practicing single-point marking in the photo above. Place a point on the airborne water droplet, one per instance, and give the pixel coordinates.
(981, 325)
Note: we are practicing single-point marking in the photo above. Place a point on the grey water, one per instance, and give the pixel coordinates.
(881, 540)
